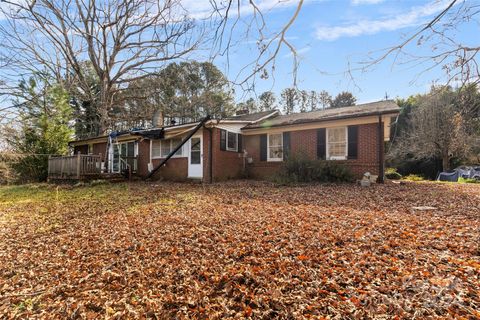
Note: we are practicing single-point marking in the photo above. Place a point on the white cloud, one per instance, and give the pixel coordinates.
(360, 2)
(201, 9)
(413, 17)
(299, 52)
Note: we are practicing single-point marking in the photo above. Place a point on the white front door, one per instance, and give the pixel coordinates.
(195, 155)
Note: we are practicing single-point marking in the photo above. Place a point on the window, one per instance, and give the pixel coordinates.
(165, 148)
(275, 147)
(156, 148)
(229, 140)
(124, 153)
(162, 148)
(337, 143)
(174, 143)
(195, 151)
(232, 141)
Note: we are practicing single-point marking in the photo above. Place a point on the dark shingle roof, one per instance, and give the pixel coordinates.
(361, 110)
(251, 116)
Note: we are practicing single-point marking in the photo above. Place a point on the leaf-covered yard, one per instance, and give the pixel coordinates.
(240, 249)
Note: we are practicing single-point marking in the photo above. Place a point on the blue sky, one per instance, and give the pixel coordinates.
(331, 35)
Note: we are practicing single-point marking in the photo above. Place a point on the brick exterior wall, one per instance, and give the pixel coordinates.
(305, 142)
(226, 164)
(83, 149)
(143, 157)
(230, 164)
(100, 148)
(176, 169)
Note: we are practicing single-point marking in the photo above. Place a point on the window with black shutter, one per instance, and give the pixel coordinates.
(232, 141)
(240, 143)
(263, 147)
(321, 143)
(223, 139)
(286, 145)
(352, 142)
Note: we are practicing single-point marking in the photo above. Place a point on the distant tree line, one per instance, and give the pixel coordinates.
(185, 91)
(293, 100)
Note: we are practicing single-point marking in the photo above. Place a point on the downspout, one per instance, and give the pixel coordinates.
(210, 154)
(381, 162)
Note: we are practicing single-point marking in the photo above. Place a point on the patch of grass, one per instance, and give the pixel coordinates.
(22, 193)
(26, 305)
(468, 180)
(414, 177)
(392, 174)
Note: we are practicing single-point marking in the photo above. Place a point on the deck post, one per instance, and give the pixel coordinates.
(78, 165)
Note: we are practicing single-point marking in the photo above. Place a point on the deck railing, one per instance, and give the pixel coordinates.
(129, 163)
(74, 167)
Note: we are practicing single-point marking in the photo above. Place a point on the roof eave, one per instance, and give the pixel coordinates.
(379, 113)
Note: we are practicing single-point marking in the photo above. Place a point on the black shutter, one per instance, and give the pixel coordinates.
(352, 142)
(286, 145)
(321, 143)
(223, 139)
(239, 142)
(263, 147)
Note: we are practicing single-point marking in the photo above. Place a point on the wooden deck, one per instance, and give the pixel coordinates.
(88, 167)
(76, 167)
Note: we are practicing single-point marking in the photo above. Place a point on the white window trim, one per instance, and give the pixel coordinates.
(119, 144)
(226, 141)
(268, 147)
(346, 145)
(181, 155)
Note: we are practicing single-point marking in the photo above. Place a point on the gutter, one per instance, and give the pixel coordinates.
(381, 155)
(322, 120)
(210, 154)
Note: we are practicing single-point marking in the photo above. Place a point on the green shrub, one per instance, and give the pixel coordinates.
(468, 180)
(414, 177)
(300, 169)
(392, 174)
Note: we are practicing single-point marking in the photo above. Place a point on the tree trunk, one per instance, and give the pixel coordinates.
(104, 106)
(445, 162)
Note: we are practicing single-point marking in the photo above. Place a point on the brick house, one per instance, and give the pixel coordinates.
(249, 145)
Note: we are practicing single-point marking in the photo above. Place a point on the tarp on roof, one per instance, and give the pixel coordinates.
(150, 134)
(115, 134)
